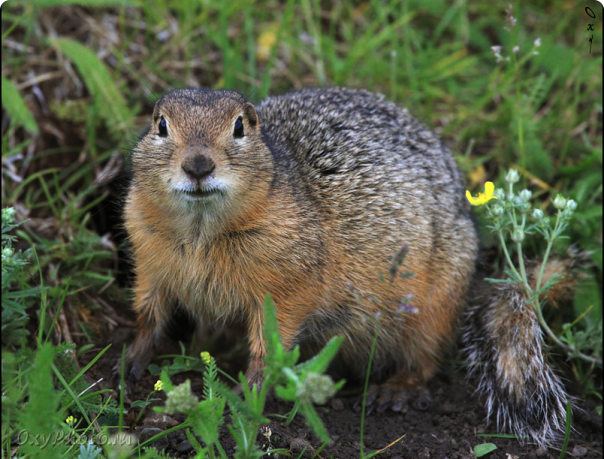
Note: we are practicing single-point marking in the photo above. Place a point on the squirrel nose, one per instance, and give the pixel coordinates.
(198, 167)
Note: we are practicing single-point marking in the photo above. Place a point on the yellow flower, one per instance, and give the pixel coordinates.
(158, 386)
(266, 42)
(482, 198)
(205, 356)
(71, 420)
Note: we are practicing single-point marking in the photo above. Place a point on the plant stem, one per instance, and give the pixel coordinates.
(221, 451)
(377, 331)
(554, 338)
(550, 244)
(507, 255)
(529, 290)
(535, 302)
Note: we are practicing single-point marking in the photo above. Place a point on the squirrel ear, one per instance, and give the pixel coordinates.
(250, 113)
(155, 112)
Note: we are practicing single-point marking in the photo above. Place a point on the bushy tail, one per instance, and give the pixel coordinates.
(504, 345)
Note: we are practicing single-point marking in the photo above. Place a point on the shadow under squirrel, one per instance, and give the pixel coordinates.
(307, 196)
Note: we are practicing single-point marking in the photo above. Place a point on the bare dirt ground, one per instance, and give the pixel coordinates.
(449, 428)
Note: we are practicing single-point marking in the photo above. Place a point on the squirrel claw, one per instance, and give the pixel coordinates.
(381, 398)
(423, 400)
(132, 373)
(372, 393)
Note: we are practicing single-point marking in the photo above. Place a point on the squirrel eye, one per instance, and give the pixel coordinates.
(163, 127)
(238, 132)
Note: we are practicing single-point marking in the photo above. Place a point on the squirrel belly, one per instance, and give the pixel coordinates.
(306, 197)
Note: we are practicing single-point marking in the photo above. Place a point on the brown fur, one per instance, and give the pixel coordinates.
(320, 192)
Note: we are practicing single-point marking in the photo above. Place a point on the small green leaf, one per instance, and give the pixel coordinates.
(321, 361)
(14, 104)
(143, 404)
(207, 418)
(484, 449)
(314, 421)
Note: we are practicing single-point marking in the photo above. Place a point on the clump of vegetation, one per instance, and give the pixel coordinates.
(17, 295)
(513, 217)
(302, 383)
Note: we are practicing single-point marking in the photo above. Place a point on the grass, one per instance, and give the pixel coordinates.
(80, 80)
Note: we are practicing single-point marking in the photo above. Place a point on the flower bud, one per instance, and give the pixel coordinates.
(571, 205)
(518, 201)
(497, 210)
(525, 195)
(8, 216)
(518, 235)
(7, 255)
(181, 399)
(121, 444)
(537, 214)
(316, 388)
(526, 207)
(512, 176)
(499, 193)
(559, 202)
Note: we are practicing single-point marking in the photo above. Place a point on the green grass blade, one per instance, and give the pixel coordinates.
(568, 429)
(14, 104)
(88, 3)
(109, 101)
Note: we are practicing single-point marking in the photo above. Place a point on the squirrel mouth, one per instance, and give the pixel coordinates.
(199, 193)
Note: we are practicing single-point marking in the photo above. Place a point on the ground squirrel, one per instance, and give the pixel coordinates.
(306, 197)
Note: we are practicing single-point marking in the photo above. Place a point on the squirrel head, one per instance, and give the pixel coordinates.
(203, 152)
